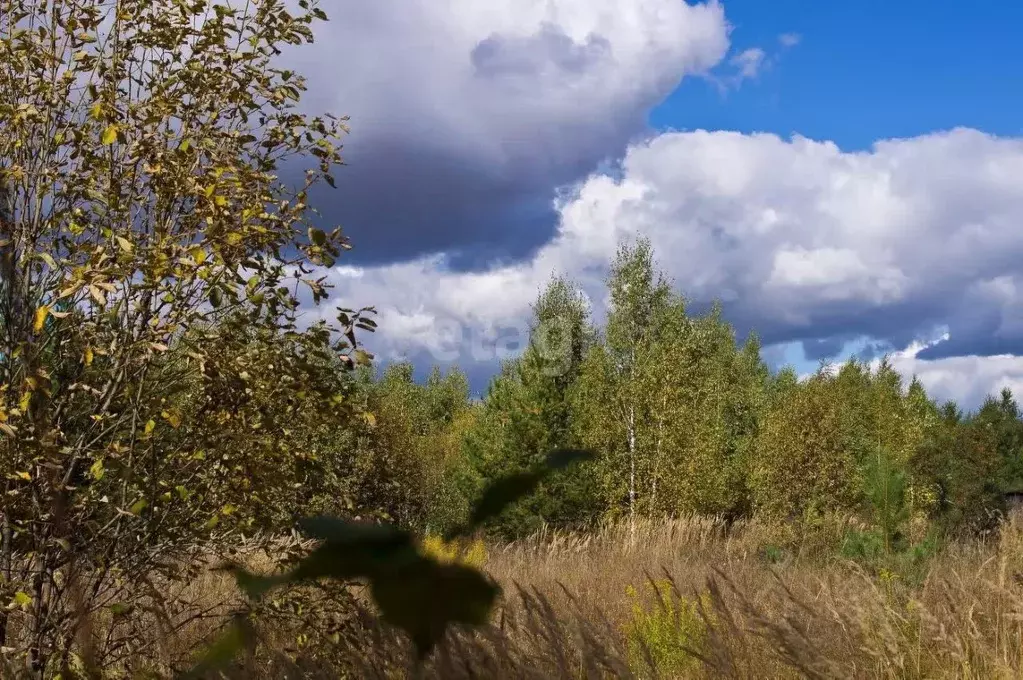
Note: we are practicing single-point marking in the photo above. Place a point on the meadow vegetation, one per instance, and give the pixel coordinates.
(202, 478)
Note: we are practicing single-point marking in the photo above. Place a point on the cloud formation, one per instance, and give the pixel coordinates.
(789, 39)
(749, 62)
(968, 380)
(464, 114)
(800, 240)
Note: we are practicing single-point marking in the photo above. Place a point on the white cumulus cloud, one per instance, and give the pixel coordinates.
(799, 239)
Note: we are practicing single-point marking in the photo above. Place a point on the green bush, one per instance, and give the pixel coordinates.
(664, 634)
(887, 547)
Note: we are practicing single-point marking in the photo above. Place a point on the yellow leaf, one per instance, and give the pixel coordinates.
(97, 294)
(173, 418)
(139, 506)
(109, 135)
(24, 475)
(96, 470)
(40, 318)
(97, 110)
(150, 426)
(370, 419)
(87, 359)
(125, 244)
(25, 400)
(22, 599)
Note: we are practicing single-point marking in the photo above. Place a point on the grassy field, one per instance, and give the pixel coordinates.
(682, 598)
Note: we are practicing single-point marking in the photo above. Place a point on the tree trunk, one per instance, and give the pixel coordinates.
(6, 559)
(632, 470)
(37, 651)
(657, 454)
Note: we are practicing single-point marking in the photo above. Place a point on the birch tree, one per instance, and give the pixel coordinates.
(618, 413)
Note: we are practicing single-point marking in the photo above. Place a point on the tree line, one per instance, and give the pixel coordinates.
(683, 420)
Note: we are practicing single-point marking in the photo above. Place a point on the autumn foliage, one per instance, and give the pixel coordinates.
(176, 414)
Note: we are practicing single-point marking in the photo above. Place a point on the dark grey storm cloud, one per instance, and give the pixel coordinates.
(466, 117)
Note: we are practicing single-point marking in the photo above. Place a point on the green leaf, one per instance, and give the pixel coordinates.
(138, 506)
(353, 550)
(414, 592)
(562, 458)
(236, 636)
(119, 608)
(424, 599)
(502, 492)
(253, 585)
(350, 550)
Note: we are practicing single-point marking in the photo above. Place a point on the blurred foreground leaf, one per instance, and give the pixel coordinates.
(413, 591)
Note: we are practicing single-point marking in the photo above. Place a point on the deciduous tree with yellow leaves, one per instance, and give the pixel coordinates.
(152, 369)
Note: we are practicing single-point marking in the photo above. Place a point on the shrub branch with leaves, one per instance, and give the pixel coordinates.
(147, 245)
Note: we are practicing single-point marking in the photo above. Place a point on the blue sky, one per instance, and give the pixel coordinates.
(497, 144)
(861, 72)
(867, 70)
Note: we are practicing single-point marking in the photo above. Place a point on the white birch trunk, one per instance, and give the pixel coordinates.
(632, 470)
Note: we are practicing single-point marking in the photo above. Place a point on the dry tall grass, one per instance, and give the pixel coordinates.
(815, 616)
(577, 606)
